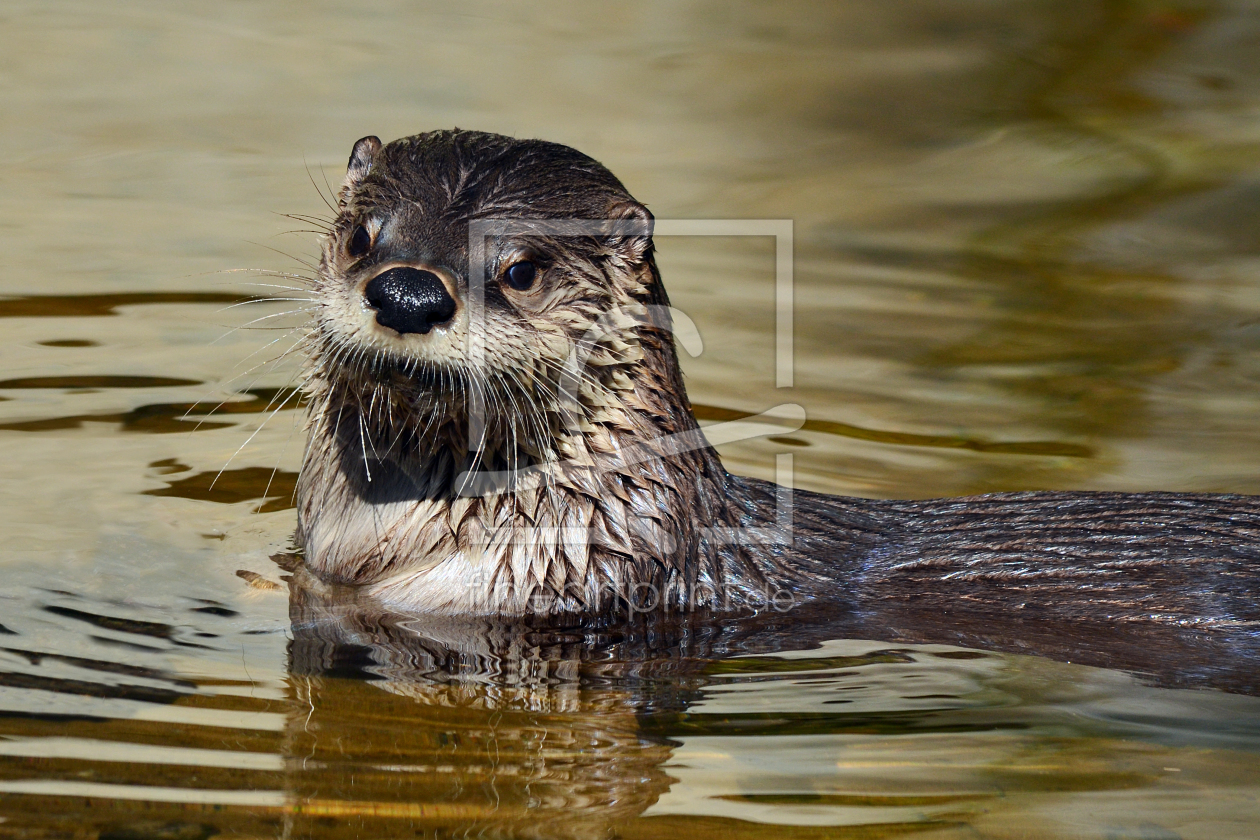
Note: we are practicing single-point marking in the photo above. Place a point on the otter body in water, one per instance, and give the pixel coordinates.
(499, 427)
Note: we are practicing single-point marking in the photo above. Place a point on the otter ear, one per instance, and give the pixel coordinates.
(359, 166)
(630, 229)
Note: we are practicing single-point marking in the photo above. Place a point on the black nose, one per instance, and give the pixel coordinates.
(409, 300)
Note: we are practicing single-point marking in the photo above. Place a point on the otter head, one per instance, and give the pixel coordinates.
(491, 363)
(396, 289)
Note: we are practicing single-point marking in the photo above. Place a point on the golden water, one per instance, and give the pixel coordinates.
(1027, 255)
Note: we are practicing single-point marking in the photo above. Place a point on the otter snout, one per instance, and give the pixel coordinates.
(409, 300)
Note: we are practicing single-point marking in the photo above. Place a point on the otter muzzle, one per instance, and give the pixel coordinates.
(409, 300)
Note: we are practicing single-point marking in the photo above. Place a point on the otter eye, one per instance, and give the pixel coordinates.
(360, 241)
(521, 275)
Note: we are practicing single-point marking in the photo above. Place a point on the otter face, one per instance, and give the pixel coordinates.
(491, 358)
(395, 291)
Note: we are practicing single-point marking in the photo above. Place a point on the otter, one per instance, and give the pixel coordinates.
(498, 426)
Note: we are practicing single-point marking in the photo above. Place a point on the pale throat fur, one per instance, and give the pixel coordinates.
(596, 515)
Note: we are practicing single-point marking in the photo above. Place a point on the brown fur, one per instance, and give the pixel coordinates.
(379, 494)
(604, 514)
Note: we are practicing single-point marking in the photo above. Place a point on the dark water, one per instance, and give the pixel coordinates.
(1026, 257)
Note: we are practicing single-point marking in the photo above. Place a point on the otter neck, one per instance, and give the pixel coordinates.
(618, 510)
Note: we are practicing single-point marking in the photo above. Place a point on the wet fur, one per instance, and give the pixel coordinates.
(379, 497)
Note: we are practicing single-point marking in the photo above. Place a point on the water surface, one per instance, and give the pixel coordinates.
(1026, 258)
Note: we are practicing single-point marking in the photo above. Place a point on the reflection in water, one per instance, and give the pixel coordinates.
(471, 729)
(79, 306)
(485, 727)
(1047, 447)
(391, 725)
(229, 486)
(164, 418)
(95, 382)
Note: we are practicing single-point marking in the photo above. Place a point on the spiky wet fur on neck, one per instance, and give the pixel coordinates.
(379, 497)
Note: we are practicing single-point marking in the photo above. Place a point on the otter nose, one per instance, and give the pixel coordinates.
(409, 300)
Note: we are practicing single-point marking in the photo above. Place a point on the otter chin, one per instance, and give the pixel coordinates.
(498, 426)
